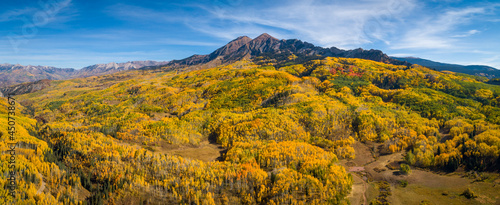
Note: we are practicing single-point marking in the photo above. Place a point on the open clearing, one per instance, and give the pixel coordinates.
(437, 188)
(205, 151)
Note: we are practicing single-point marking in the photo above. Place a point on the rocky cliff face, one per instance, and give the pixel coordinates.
(246, 48)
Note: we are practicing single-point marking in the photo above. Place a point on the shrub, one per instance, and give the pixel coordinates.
(403, 183)
(405, 169)
(425, 202)
(469, 194)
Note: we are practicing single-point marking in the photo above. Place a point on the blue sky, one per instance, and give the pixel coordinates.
(77, 33)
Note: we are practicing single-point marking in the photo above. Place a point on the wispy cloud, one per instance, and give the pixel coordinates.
(434, 32)
(45, 14)
(40, 13)
(398, 24)
(16, 14)
(401, 54)
(467, 34)
(491, 60)
(325, 23)
(136, 13)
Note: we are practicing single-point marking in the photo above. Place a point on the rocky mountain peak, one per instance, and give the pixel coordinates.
(231, 47)
(265, 36)
(263, 43)
(244, 47)
(242, 38)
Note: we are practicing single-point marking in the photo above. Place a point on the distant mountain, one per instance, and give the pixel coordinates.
(245, 48)
(103, 69)
(478, 70)
(15, 74)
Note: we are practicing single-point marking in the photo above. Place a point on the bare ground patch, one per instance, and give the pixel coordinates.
(206, 152)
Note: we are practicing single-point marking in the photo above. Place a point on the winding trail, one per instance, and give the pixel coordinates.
(358, 192)
(42, 187)
(364, 193)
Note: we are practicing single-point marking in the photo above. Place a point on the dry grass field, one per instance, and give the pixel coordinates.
(423, 185)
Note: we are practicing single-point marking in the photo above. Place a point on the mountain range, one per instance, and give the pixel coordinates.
(240, 48)
(478, 70)
(15, 74)
(244, 47)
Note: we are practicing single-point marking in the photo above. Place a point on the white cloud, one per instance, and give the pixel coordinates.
(47, 12)
(135, 13)
(467, 34)
(493, 61)
(400, 24)
(401, 55)
(324, 23)
(15, 14)
(434, 32)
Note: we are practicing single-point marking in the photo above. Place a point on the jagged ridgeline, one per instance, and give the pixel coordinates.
(277, 50)
(282, 122)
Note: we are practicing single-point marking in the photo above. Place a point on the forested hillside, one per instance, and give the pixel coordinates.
(283, 123)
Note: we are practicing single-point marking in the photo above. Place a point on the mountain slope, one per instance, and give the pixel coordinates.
(246, 48)
(478, 70)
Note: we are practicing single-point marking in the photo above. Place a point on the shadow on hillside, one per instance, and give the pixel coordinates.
(212, 139)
